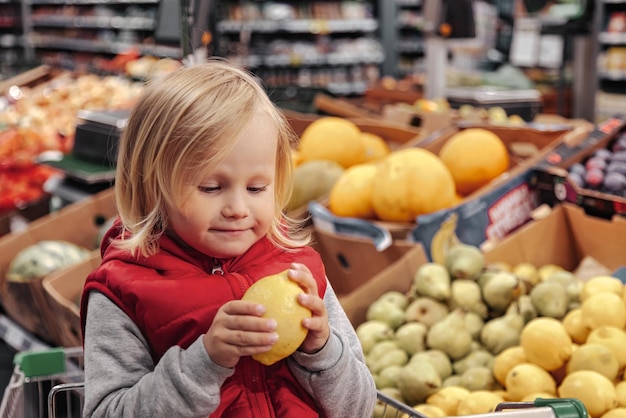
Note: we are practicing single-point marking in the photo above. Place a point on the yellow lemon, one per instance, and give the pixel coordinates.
(506, 360)
(600, 284)
(594, 357)
(594, 390)
(544, 395)
(474, 156)
(615, 413)
(575, 326)
(620, 391)
(431, 411)
(479, 402)
(527, 378)
(546, 343)
(375, 147)
(279, 296)
(335, 139)
(604, 308)
(448, 399)
(351, 195)
(613, 338)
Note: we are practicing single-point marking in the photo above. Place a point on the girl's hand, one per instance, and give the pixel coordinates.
(318, 327)
(238, 330)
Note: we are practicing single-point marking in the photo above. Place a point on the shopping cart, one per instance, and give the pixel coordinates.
(39, 378)
(540, 408)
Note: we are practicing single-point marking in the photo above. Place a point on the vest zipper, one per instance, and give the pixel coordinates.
(217, 268)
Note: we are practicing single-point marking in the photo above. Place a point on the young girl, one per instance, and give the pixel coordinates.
(203, 175)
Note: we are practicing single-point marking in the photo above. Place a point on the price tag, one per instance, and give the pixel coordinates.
(525, 42)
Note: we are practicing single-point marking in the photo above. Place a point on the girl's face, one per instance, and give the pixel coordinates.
(234, 206)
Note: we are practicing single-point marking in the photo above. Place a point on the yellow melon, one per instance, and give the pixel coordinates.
(279, 296)
(351, 195)
(474, 156)
(335, 139)
(411, 182)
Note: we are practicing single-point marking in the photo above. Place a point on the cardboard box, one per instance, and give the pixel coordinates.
(62, 291)
(565, 237)
(77, 223)
(352, 261)
(397, 276)
(554, 184)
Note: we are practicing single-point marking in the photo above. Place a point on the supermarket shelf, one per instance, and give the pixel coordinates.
(106, 47)
(299, 26)
(96, 22)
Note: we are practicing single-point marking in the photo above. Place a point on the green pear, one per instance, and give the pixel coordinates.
(432, 280)
(474, 324)
(386, 311)
(502, 332)
(523, 306)
(394, 357)
(450, 335)
(417, 380)
(453, 380)
(411, 337)
(397, 298)
(437, 358)
(478, 358)
(371, 332)
(426, 310)
(477, 378)
(465, 261)
(387, 377)
(550, 299)
(500, 290)
(466, 294)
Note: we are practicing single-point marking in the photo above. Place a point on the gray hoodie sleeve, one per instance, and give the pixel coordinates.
(122, 381)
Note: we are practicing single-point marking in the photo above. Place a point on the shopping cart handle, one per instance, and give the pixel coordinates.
(561, 407)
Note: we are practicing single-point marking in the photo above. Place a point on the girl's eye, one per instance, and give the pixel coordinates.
(257, 189)
(208, 189)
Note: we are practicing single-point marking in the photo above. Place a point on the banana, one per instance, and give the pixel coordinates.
(444, 239)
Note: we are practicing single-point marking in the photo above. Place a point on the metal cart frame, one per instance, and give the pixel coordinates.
(41, 377)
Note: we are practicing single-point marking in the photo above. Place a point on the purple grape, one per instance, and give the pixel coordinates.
(603, 153)
(594, 177)
(614, 182)
(594, 162)
(619, 156)
(619, 144)
(617, 166)
(579, 169)
(577, 179)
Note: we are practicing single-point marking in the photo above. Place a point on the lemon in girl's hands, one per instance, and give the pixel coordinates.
(279, 296)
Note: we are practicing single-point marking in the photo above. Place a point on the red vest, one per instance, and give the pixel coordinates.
(173, 297)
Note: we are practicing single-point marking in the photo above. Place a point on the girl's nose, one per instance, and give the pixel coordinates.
(235, 206)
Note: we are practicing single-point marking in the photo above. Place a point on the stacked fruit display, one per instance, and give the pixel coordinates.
(379, 184)
(604, 170)
(466, 337)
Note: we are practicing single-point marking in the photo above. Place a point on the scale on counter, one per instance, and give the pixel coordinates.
(523, 102)
(90, 167)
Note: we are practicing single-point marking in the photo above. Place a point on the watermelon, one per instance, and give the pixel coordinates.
(44, 257)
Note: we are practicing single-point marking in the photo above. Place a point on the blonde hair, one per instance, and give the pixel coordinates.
(182, 127)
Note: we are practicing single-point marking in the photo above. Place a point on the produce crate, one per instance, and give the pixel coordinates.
(555, 185)
(62, 291)
(491, 212)
(566, 237)
(78, 223)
